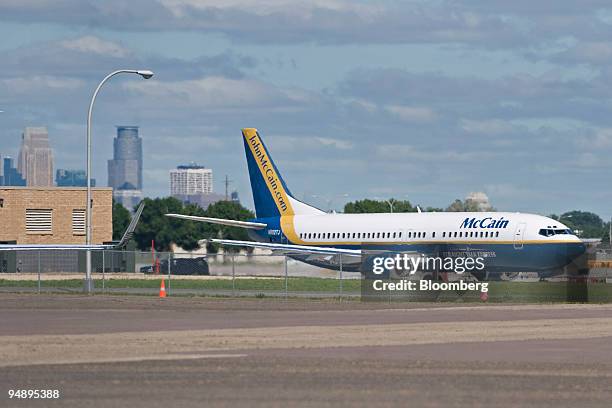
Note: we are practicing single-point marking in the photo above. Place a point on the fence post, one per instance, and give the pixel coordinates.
(233, 275)
(341, 288)
(286, 278)
(39, 271)
(103, 273)
(169, 270)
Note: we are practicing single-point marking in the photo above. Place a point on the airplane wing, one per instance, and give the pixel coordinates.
(221, 221)
(58, 247)
(313, 252)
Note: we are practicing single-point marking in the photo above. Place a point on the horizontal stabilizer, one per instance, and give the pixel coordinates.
(221, 221)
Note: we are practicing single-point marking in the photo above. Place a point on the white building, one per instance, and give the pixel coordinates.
(481, 200)
(191, 180)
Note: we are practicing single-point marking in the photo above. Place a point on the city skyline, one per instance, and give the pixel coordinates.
(356, 99)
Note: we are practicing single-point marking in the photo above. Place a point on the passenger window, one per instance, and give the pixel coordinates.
(433, 234)
(480, 234)
(497, 234)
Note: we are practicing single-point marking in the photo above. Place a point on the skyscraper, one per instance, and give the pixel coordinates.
(10, 175)
(125, 169)
(35, 161)
(193, 184)
(191, 179)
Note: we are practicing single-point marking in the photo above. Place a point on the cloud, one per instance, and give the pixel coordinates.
(96, 45)
(279, 21)
(486, 127)
(412, 113)
(595, 53)
(511, 97)
(215, 93)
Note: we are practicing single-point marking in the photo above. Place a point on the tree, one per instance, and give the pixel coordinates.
(585, 224)
(121, 220)
(228, 210)
(378, 206)
(155, 226)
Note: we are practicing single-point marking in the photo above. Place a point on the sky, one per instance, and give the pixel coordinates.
(419, 100)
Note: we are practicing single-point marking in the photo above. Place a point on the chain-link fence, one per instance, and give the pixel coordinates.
(265, 275)
(133, 272)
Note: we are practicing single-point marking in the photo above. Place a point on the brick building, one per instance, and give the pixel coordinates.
(53, 215)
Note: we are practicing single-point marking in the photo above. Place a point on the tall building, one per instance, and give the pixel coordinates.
(72, 178)
(193, 184)
(125, 169)
(191, 179)
(35, 161)
(10, 175)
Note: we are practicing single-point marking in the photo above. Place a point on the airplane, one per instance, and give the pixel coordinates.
(509, 242)
(127, 235)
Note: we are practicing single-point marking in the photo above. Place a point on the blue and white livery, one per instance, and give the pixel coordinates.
(507, 241)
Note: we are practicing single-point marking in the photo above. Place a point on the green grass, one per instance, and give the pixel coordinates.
(503, 292)
(293, 284)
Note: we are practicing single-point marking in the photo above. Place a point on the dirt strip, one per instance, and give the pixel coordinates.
(154, 345)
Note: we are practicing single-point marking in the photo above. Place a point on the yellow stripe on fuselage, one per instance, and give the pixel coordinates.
(378, 243)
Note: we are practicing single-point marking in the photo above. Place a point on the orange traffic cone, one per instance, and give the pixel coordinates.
(162, 289)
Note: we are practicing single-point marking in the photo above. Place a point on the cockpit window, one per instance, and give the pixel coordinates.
(549, 232)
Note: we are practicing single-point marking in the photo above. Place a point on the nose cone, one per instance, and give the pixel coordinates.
(575, 253)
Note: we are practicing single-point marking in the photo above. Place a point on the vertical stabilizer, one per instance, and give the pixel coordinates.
(270, 193)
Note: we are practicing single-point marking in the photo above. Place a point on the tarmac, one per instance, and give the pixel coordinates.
(140, 351)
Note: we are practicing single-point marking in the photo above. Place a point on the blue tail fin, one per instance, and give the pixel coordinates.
(270, 193)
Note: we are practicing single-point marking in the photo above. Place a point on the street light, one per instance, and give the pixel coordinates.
(146, 74)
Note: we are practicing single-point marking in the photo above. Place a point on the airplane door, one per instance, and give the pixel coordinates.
(519, 233)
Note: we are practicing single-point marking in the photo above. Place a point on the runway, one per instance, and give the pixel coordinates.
(146, 352)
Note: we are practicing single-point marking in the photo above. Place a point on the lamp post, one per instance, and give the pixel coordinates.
(146, 74)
